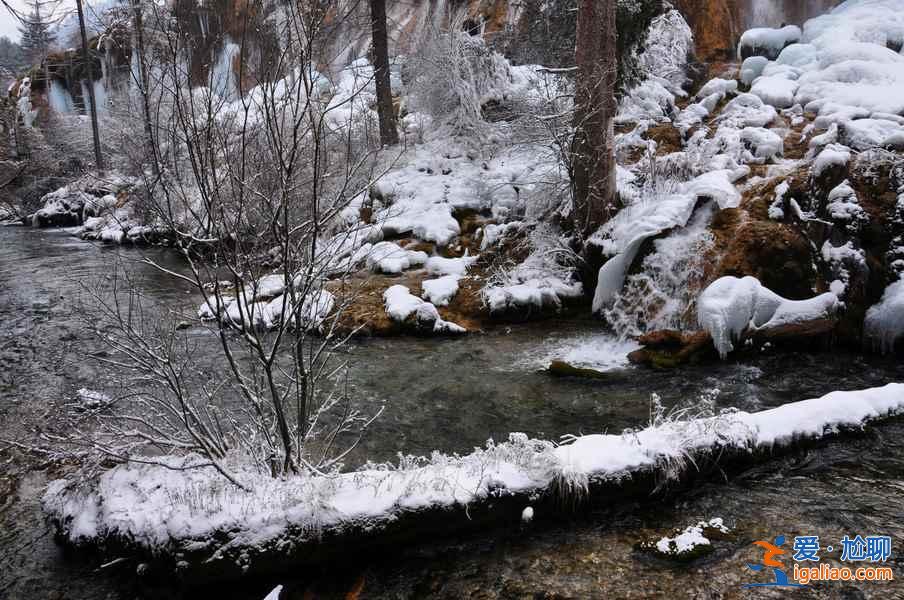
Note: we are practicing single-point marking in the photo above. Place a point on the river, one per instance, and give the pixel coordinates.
(453, 395)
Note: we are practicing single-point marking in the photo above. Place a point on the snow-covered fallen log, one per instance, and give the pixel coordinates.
(195, 522)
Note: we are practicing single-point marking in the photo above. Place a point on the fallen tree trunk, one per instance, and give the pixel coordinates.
(592, 471)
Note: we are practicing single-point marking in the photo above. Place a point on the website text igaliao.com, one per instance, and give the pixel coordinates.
(825, 572)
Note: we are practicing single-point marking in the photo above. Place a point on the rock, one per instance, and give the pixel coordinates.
(559, 368)
(793, 332)
(668, 348)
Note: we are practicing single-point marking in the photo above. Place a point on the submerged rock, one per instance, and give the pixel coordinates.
(560, 368)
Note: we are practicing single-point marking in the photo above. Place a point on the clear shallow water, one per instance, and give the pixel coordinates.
(453, 395)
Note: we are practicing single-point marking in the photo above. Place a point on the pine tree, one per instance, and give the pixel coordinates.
(36, 34)
(11, 55)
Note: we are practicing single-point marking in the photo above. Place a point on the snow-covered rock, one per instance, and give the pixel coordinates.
(775, 90)
(884, 323)
(833, 156)
(441, 291)
(765, 145)
(389, 257)
(843, 206)
(730, 306)
(764, 41)
(439, 265)
(752, 67)
(719, 86)
(401, 304)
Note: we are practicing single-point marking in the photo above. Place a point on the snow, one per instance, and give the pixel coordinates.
(719, 86)
(274, 593)
(531, 294)
(841, 260)
(152, 506)
(884, 324)
(491, 234)
(400, 304)
(747, 110)
(668, 44)
(833, 156)
(527, 515)
(253, 311)
(439, 265)
(690, 539)
(91, 399)
(765, 145)
(389, 257)
(752, 67)
(730, 306)
(863, 134)
(842, 205)
(624, 234)
(441, 291)
(775, 90)
(776, 210)
(768, 42)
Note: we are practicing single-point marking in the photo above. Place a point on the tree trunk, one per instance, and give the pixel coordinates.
(98, 157)
(593, 148)
(389, 134)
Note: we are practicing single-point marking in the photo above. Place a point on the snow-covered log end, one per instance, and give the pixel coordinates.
(195, 519)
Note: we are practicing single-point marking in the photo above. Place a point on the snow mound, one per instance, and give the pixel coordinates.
(768, 42)
(765, 145)
(884, 324)
(719, 86)
(438, 265)
(775, 90)
(833, 156)
(441, 291)
(752, 68)
(389, 257)
(730, 306)
(747, 110)
(401, 304)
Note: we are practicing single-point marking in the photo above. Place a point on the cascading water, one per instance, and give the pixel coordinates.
(60, 99)
(222, 74)
(774, 13)
(661, 294)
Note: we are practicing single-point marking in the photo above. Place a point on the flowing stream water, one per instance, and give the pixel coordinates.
(453, 395)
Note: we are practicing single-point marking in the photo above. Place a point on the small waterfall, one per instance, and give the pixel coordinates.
(774, 13)
(100, 95)
(222, 74)
(60, 99)
(661, 295)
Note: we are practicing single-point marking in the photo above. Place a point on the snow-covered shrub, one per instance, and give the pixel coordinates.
(453, 75)
(542, 281)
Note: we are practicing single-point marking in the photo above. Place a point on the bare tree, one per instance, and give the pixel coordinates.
(251, 192)
(389, 135)
(593, 147)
